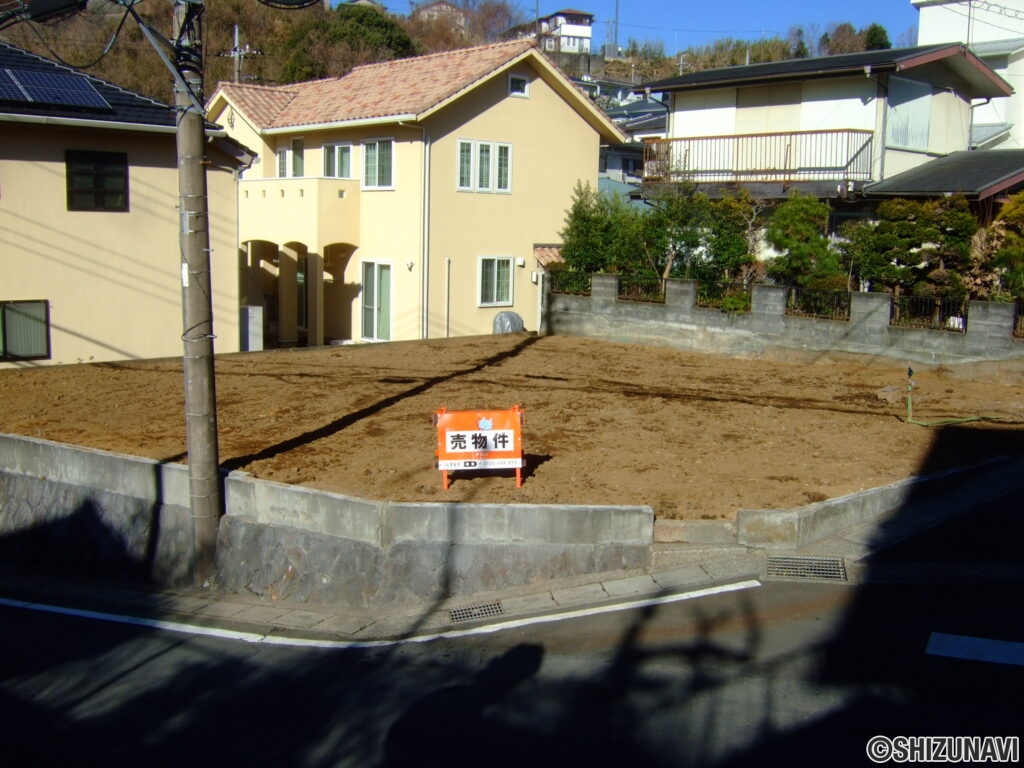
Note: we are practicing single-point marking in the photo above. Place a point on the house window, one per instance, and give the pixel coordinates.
(291, 159)
(504, 163)
(97, 181)
(378, 164)
(518, 85)
(466, 165)
(24, 330)
(298, 158)
(909, 116)
(495, 281)
(484, 166)
(338, 161)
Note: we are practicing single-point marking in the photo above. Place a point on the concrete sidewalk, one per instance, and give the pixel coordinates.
(677, 571)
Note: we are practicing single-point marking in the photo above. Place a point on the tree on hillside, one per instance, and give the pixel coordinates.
(841, 38)
(462, 24)
(332, 43)
(876, 38)
(800, 49)
(489, 20)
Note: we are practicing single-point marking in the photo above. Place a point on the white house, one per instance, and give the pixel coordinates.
(994, 33)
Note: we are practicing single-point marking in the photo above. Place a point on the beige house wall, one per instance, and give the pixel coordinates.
(547, 163)
(390, 231)
(113, 280)
(430, 239)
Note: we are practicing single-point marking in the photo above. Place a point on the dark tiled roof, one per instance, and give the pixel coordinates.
(125, 106)
(976, 175)
(953, 55)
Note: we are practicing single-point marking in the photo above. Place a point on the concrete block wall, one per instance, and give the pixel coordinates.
(680, 323)
(95, 513)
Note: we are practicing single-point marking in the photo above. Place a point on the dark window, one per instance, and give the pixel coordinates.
(24, 330)
(97, 181)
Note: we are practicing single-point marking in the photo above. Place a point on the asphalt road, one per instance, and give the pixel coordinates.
(801, 673)
(804, 673)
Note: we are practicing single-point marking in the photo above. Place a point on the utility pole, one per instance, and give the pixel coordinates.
(196, 300)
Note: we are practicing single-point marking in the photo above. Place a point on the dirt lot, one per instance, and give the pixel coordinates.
(694, 436)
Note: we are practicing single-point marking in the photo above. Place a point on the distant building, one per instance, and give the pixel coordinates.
(561, 32)
(441, 11)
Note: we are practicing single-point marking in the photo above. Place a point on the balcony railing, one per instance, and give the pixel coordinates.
(837, 155)
(306, 209)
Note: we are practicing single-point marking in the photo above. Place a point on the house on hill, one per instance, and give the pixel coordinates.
(832, 126)
(405, 199)
(91, 259)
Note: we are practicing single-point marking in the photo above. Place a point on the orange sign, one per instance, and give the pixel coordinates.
(472, 440)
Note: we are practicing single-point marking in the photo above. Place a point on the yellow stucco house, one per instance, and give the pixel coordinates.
(89, 227)
(406, 199)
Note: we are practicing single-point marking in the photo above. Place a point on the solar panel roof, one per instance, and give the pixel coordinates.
(49, 88)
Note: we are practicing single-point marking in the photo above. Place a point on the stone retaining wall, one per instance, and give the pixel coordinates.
(95, 513)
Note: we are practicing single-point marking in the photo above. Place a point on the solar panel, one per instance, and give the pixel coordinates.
(9, 88)
(53, 88)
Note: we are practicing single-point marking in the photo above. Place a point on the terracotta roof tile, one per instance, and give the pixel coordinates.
(392, 88)
(547, 255)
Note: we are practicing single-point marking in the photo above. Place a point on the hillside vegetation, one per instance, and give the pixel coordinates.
(281, 46)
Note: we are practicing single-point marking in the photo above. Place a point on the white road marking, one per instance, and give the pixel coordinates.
(975, 649)
(265, 639)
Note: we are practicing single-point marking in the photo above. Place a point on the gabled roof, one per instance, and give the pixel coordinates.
(116, 105)
(392, 91)
(949, 63)
(976, 175)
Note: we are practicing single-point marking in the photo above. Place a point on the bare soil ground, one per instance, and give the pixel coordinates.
(691, 435)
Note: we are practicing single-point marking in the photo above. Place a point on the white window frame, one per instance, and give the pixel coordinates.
(288, 156)
(297, 164)
(494, 300)
(366, 159)
(523, 93)
(483, 175)
(334, 172)
(370, 301)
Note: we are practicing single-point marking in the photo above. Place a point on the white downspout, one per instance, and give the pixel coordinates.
(424, 234)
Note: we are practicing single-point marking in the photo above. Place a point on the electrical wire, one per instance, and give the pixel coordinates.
(103, 54)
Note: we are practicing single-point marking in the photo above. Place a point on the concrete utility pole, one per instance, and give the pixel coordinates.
(196, 299)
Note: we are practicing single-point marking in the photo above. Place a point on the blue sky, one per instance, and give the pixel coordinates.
(680, 24)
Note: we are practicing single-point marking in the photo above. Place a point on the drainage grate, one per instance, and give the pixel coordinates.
(788, 567)
(478, 611)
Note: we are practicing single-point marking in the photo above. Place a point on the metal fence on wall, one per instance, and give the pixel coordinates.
(907, 311)
(929, 312)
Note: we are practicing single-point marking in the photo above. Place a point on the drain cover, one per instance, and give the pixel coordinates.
(790, 567)
(471, 612)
